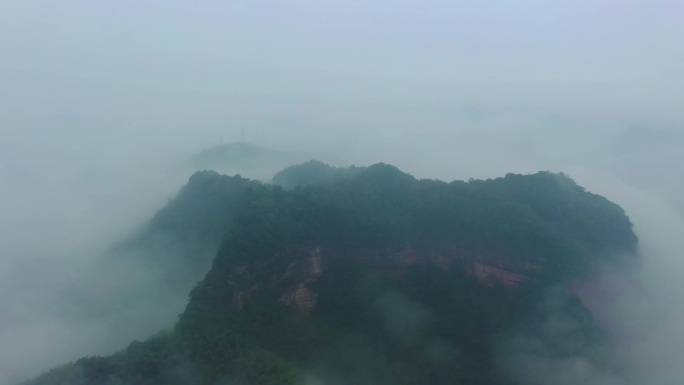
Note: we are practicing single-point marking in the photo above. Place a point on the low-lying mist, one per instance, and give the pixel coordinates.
(73, 282)
(69, 292)
(105, 106)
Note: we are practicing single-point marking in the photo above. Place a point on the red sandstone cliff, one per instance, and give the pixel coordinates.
(490, 266)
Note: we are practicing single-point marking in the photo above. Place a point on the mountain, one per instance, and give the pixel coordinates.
(367, 275)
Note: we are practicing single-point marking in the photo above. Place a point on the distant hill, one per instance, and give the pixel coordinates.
(369, 275)
(243, 158)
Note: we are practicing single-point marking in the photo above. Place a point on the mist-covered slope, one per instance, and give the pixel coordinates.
(129, 290)
(368, 275)
(186, 233)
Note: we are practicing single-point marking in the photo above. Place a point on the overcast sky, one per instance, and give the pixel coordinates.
(117, 79)
(96, 96)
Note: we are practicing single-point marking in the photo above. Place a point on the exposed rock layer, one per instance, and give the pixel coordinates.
(489, 266)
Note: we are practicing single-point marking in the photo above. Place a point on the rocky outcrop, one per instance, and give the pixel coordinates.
(299, 295)
(492, 275)
(490, 266)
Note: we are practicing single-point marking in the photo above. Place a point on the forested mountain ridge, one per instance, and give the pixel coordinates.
(368, 275)
(184, 235)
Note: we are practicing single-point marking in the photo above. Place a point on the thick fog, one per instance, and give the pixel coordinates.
(102, 104)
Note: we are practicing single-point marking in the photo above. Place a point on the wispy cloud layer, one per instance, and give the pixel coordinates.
(97, 101)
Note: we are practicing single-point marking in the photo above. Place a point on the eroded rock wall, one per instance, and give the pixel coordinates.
(490, 266)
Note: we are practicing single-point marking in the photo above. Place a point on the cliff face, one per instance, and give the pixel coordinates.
(489, 266)
(304, 271)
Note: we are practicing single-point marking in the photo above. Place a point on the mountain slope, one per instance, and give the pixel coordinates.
(184, 235)
(373, 276)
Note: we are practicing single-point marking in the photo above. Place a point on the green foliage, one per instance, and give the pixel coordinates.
(158, 361)
(313, 173)
(205, 207)
(542, 216)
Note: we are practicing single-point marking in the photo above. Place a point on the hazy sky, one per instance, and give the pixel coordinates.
(111, 80)
(97, 98)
